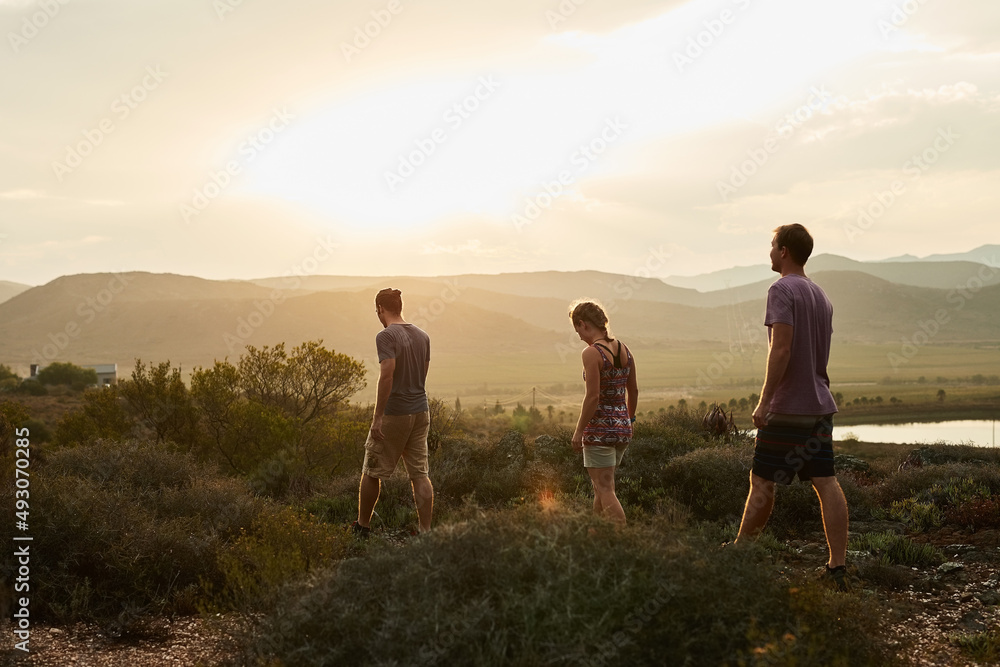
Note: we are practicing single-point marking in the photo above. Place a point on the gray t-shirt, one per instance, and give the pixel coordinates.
(411, 348)
(805, 387)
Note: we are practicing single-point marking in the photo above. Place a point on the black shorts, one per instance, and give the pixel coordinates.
(783, 451)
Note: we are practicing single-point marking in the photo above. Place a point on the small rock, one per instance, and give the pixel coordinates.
(989, 598)
(958, 549)
(949, 567)
(55, 631)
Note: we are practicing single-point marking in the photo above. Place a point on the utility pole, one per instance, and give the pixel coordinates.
(532, 397)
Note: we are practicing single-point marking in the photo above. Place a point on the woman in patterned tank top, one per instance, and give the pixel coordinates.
(605, 425)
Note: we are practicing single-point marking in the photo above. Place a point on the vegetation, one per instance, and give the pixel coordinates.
(63, 373)
(232, 495)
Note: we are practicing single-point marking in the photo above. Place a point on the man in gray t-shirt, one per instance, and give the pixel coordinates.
(401, 420)
(794, 418)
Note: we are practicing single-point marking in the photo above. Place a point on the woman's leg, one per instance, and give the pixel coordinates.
(605, 501)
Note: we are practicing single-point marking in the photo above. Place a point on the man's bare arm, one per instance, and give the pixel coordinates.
(778, 356)
(385, 371)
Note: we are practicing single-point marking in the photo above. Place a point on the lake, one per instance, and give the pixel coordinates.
(975, 431)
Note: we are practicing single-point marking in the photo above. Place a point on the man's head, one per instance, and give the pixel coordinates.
(388, 302)
(791, 244)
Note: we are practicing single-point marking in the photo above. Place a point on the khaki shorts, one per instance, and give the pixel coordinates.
(603, 456)
(406, 438)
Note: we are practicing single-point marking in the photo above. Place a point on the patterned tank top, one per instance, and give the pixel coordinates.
(611, 423)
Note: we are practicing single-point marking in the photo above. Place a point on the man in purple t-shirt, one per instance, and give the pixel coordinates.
(794, 418)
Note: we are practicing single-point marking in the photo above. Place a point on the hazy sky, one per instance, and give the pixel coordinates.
(251, 138)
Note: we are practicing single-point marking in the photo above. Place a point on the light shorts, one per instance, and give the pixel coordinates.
(603, 456)
(406, 438)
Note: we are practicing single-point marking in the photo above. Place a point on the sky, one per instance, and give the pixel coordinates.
(238, 139)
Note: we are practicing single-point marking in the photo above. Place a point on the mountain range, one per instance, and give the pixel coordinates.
(103, 318)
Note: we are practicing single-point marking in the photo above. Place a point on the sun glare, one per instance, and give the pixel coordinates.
(421, 151)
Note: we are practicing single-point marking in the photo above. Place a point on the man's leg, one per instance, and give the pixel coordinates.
(760, 502)
(605, 500)
(833, 506)
(415, 459)
(368, 492)
(423, 498)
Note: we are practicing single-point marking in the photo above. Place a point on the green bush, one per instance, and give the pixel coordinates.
(67, 374)
(530, 588)
(128, 527)
(980, 646)
(941, 454)
(281, 545)
(913, 482)
(712, 482)
(892, 549)
(918, 516)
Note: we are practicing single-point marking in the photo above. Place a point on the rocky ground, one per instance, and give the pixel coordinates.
(929, 605)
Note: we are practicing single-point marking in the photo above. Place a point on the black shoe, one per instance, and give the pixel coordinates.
(837, 576)
(360, 531)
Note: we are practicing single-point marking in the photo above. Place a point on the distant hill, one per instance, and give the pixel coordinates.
(984, 254)
(9, 290)
(105, 318)
(943, 274)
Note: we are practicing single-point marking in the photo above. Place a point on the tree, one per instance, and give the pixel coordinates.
(309, 383)
(158, 399)
(941, 395)
(458, 405)
(8, 379)
(103, 416)
(272, 408)
(551, 410)
(68, 374)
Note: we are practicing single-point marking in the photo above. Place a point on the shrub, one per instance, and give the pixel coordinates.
(892, 549)
(980, 646)
(713, 482)
(531, 587)
(281, 544)
(915, 481)
(129, 527)
(68, 374)
(918, 516)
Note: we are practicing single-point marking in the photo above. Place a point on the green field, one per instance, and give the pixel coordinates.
(711, 373)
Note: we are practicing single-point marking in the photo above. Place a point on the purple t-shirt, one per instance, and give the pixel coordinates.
(805, 387)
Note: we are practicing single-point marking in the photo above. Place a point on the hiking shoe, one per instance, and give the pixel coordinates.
(837, 576)
(360, 531)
